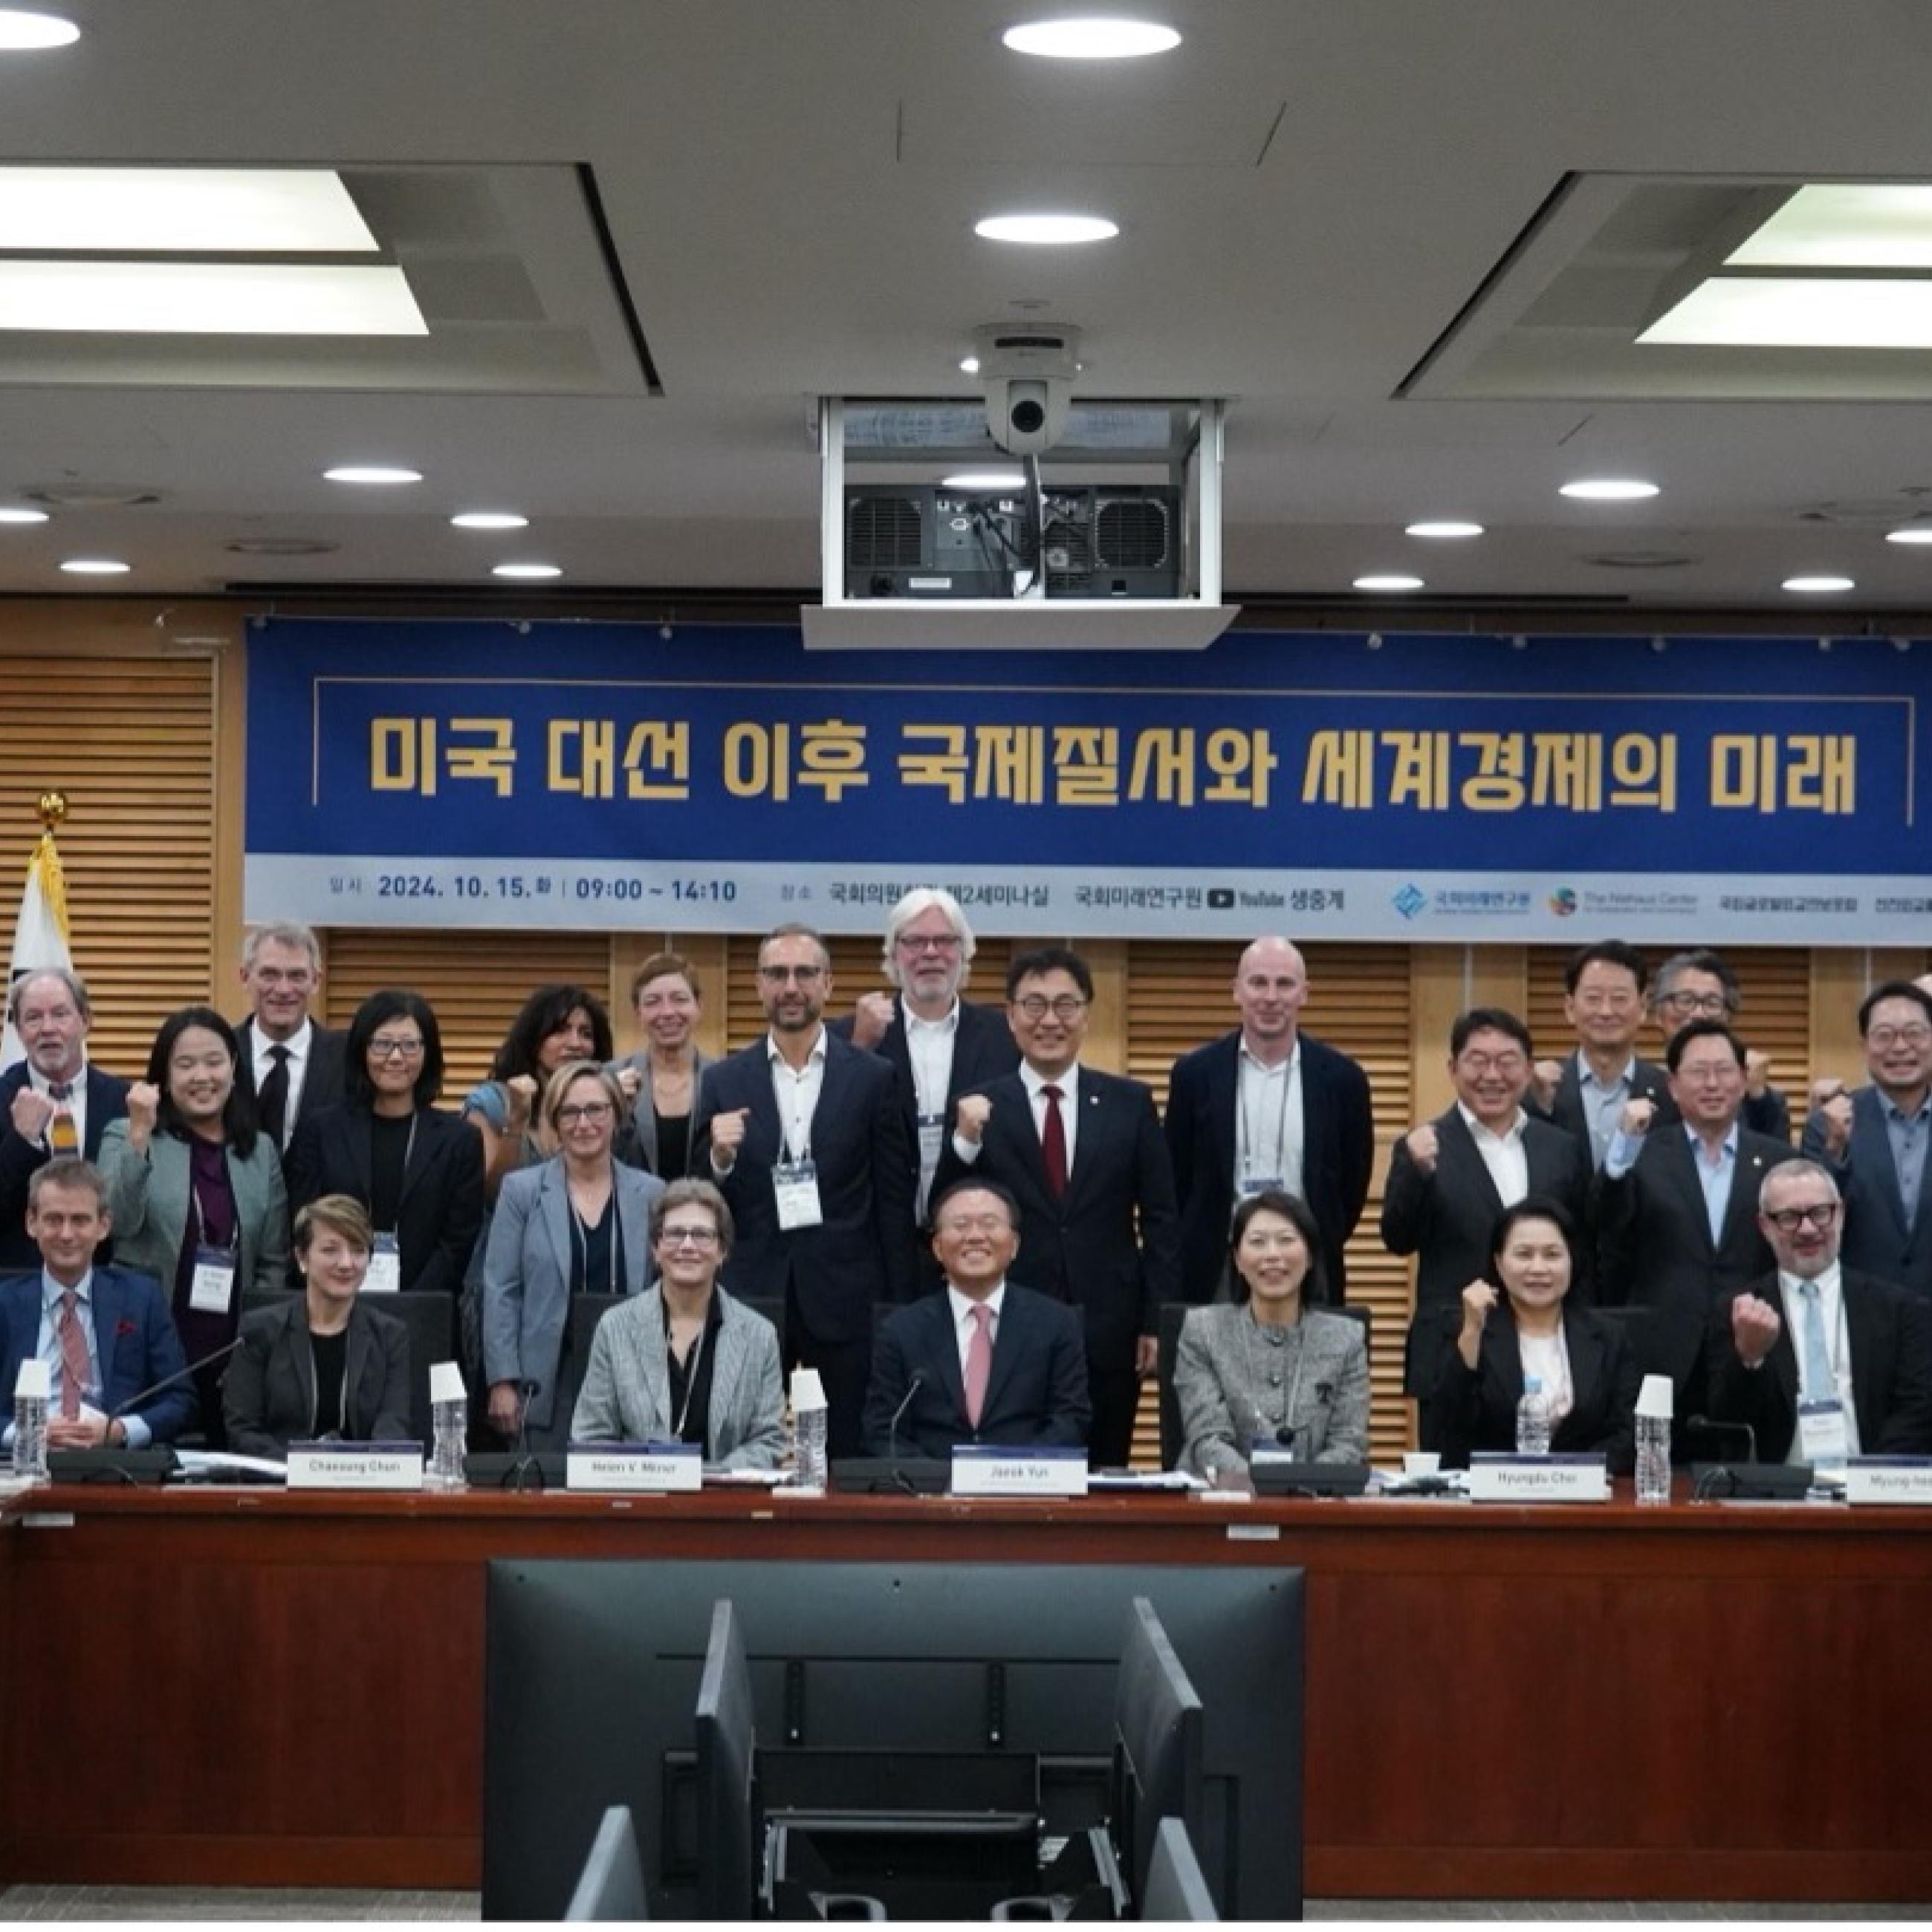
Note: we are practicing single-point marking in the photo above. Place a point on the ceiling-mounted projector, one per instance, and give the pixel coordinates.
(1027, 370)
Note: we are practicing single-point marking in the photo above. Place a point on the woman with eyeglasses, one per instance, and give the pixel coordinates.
(1519, 1322)
(417, 1171)
(554, 1024)
(1269, 1368)
(684, 1362)
(661, 1078)
(577, 1225)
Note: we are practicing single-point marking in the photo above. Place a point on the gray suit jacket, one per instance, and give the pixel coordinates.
(637, 1139)
(526, 1272)
(1221, 1369)
(148, 1197)
(626, 1392)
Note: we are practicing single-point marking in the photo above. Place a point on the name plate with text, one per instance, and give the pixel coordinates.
(355, 1465)
(988, 1469)
(1538, 1479)
(1888, 1479)
(634, 1469)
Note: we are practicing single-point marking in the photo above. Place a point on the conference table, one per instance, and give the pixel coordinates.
(1725, 1701)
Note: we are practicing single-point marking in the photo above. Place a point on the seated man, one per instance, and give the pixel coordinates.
(105, 1333)
(1816, 1334)
(984, 1360)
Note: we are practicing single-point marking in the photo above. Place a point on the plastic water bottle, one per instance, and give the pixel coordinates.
(1532, 1420)
(30, 1438)
(811, 1425)
(1653, 1458)
(449, 1422)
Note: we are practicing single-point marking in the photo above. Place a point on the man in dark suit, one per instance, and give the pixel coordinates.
(1267, 1105)
(1676, 1207)
(53, 1102)
(1875, 1140)
(1699, 985)
(105, 1333)
(1451, 1177)
(1585, 1093)
(1081, 1152)
(983, 1359)
(805, 1136)
(1815, 1332)
(939, 1046)
(291, 1064)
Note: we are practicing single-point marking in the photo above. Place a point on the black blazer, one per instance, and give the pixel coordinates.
(862, 1252)
(442, 1187)
(1036, 1396)
(267, 1395)
(1648, 1081)
(1876, 1241)
(324, 1080)
(1083, 1248)
(1477, 1410)
(1654, 1245)
(106, 1100)
(1890, 1332)
(1338, 1154)
(1446, 1219)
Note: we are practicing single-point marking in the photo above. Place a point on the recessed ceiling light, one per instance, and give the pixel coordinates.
(163, 211)
(208, 298)
(1797, 312)
(526, 570)
(1912, 533)
(22, 31)
(1388, 581)
(95, 566)
(1817, 586)
(490, 520)
(1844, 225)
(22, 516)
(1094, 38)
(1445, 527)
(1607, 489)
(371, 472)
(970, 364)
(1046, 230)
(984, 479)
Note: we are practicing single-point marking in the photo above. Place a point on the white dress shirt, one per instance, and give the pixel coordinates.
(297, 1046)
(1268, 1127)
(929, 1044)
(1503, 1154)
(1838, 1350)
(1035, 1085)
(963, 1324)
(74, 1105)
(796, 1094)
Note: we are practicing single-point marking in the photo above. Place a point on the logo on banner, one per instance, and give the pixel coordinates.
(1563, 902)
(1412, 901)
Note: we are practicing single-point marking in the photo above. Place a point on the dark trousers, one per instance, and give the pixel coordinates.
(1116, 1394)
(843, 1367)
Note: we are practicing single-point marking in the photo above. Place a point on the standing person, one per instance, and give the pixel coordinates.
(196, 1191)
(577, 1225)
(54, 1102)
(1699, 985)
(661, 1078)
(555, 1023)
(1081, 1152)
(1268, 1106)
(803, 1136)
(1585, 1093)
(289, 1061)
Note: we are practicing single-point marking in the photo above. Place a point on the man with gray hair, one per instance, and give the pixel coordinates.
(291, 1064)
(939, 1046)
(54, 1102)
(1697, 985)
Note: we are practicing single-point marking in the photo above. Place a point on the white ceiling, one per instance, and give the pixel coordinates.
(1312, 193)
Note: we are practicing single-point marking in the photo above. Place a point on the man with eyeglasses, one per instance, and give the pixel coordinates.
(1874, 1139)
(1698, 985)
(1267, 1105)
(1082, 1153)
(939, 1045)
(1451, 1178)
(1676, 1207)
(1823, 1361)
(289, 1062)
(1585, 1093)
(804, 1136)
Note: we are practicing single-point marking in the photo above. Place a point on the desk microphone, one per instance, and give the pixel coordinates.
(898, 1415)
(527, 1389)
(122, 1409)
(1712, 1426)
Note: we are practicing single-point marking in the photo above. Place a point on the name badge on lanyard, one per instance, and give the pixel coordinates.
(211, 1289)
(386, 1268)
(1823, 1440)
(795, 1187)
(1259, 1183)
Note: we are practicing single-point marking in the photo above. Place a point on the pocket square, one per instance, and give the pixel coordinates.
(124, 1326)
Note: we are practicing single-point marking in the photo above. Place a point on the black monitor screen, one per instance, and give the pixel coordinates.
(726, 1820)
(1156, 1743)
(611, 1889)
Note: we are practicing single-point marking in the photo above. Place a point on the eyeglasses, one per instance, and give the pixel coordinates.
(1037, 1005)
(586, 1110)
(929, 942)
(688, 1237)
(273, 976)
(1789, 1220)
(1899, 1036)
(969, 1224)
(382, 1047)
(778, 976)
(1714, 1004)
(1493, 1063)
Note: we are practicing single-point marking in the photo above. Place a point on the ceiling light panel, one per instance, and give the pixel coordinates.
(168, 211)
(24, 31)
(207, 298)
(1788, 312)
(1845, 225)
(1091, 37)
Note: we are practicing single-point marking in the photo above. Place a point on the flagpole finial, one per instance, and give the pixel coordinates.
(53, 808)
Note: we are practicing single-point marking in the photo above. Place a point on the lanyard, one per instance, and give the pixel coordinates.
(1290, 1407)
(1249, 1135)
(581, 1232)
(690, 1368)
(201, 1220)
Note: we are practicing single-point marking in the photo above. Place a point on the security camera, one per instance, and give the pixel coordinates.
(1028, 372)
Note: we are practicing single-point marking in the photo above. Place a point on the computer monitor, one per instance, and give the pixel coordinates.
(727, 1846)
(611, 1889)
(1176, 1888)
(1157, 1722)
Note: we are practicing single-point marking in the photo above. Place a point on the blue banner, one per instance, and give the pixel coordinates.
(599, 775)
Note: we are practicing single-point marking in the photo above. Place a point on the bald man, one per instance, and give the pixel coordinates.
(1267, 1105)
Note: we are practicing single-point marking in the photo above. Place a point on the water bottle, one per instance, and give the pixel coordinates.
(30, 1438)
(1653, 1458)
(811, 1423)
(1532, 1420)
(449, 1420)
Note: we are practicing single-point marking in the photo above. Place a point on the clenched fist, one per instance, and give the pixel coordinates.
(970, 1122)
(1424, 1146)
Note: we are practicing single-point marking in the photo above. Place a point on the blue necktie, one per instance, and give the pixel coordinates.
(1818, 1385)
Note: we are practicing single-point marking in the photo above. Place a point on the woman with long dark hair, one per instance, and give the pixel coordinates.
(555, 1023)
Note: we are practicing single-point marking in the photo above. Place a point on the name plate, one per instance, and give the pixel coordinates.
(1538, 1479)
(1888, 1479)
(634, 1469)
(988, 1469)
(355, 1465)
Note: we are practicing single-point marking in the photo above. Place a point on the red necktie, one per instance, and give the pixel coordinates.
(76, 1371)
(1053, 1144)
(979, 1362)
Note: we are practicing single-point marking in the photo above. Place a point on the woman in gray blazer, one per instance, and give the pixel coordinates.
(661, 1078)
(196, 1190)
(1269, 1367)
(684, 1362)
(577, 1225)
